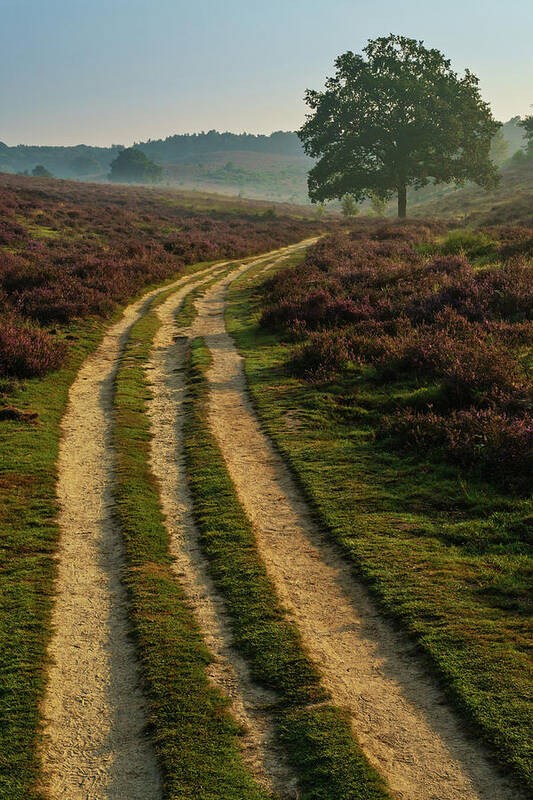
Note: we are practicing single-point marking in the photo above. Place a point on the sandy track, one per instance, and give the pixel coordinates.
(94, 745)
(398, 713)
(229, 672)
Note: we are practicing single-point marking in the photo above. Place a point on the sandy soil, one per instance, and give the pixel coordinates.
(94, 713)
(399, 715)
(249, 703)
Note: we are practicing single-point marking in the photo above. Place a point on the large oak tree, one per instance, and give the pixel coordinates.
(398, 116)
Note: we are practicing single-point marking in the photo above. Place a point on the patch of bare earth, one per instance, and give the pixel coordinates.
(399, 715)
(250, 704)
(94, 714)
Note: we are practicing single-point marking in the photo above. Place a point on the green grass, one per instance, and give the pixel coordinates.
(447, 556)
(316, 736)
(195, 736)
(187, 313)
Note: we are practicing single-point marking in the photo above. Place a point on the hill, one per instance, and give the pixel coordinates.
(511, 202)
(263, 167)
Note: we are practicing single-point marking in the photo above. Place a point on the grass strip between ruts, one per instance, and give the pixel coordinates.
(316, 735)
(195, 736)
(187, 312)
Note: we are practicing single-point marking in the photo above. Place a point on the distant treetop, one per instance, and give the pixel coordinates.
(133, 166)
(41, 172)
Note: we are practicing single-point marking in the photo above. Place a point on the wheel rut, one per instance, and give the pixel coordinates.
(399, 714)
(94, 713)
(249, 703)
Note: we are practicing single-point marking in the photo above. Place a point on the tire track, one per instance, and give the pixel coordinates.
(229, 672)
(95, 745)
(399, 714)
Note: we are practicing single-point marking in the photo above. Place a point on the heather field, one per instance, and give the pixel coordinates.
(440, 326)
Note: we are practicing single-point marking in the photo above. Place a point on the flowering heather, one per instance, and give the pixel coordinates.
(26, 350)
(408, 312)
(71, 250)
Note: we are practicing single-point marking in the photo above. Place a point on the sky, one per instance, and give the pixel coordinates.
(116, 71)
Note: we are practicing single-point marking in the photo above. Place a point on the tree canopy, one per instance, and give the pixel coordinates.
(527, 125)
(399, 117)
(133, 166)
(40, 171)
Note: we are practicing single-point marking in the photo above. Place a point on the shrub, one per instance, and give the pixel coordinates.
(26, 351)
(371, 297)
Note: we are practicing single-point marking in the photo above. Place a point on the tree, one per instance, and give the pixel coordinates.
(399, 117)
(527, 125)
(499, 148)
(133, 166)
(41, 172)
(348, 206)
(320, 210)
(378, 204)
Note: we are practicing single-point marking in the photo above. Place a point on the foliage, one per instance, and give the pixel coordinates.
(85, 165)
(401, 117)
(348, 206)
(320, 210)
(527, 125)
(41, 172)
(378, 204)
(499, 148)
(133, 166)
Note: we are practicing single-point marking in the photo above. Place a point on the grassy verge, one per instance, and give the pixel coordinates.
(28, 541)
(448, 556)
(195, 736)
(317, 736)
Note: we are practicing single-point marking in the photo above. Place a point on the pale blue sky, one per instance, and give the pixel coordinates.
(103, 71)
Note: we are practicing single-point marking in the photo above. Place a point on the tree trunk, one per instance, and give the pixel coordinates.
(402, 201)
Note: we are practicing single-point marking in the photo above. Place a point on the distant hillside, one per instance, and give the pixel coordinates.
(260, 167)
(511, 202)
(270, 167)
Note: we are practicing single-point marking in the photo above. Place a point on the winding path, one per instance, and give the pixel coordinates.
(250, 703)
